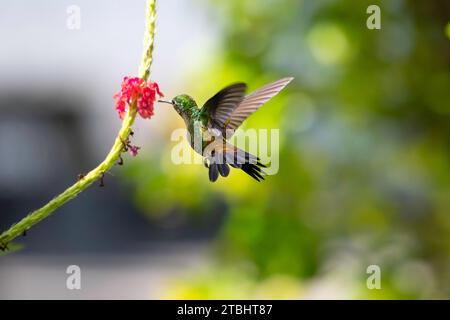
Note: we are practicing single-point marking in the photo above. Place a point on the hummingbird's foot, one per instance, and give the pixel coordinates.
(120, 162)
(24, 233)
(80, 176)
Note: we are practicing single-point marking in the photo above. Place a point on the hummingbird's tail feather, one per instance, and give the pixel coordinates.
(218, 168)
(254, 170)
(224, 170)
(247, 162)
(213, 172)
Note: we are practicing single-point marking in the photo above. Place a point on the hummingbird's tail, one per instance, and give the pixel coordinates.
(227, 154)
(252, 169)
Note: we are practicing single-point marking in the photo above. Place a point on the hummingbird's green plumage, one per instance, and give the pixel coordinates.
(210, 126)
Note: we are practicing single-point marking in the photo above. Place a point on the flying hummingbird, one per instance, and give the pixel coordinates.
(209, 127)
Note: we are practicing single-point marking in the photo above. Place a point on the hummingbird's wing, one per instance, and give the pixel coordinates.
(251, 103)
(219, 107)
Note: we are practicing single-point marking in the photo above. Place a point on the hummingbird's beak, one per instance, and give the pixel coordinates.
(163, 101)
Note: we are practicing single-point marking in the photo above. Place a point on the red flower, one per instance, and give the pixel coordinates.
(136, 89)
(154, 86)
(120, 106)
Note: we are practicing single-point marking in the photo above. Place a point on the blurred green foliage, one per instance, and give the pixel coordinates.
(364, 153)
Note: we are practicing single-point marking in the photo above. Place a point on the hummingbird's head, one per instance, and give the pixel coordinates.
(183, 104)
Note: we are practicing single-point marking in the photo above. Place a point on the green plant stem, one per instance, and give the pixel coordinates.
(144, 71)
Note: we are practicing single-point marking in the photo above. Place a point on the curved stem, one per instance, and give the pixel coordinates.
(113, 155)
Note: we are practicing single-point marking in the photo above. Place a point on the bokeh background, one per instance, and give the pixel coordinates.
(364, 173)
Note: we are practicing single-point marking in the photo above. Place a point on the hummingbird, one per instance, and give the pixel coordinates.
(209, 127)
